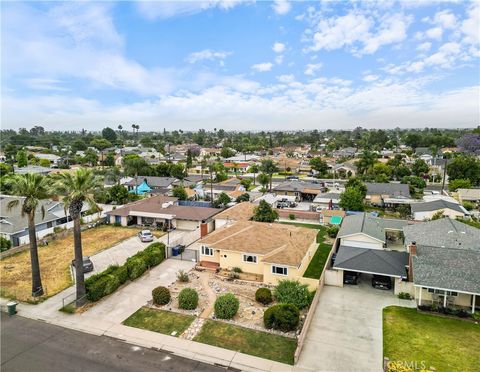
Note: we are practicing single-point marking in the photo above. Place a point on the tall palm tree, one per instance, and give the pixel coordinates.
(253, 169)
(77, 189)
(34, 188)
(269, 167)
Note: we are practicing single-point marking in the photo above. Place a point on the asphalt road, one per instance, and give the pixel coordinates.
(29, 345)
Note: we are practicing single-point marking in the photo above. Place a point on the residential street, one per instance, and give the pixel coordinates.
(29, 345)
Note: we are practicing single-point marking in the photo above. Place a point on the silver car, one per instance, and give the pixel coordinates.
(145, 236)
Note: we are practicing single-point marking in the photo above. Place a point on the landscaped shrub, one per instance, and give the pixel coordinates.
(96, 290)
(226, 306)
(153, 254)
(291, 216)
(122, 274)
(237, 269)
(188, 299)
(284, 317)
(136, 266)
(292, 292)
(182, 276)
(161, 296)
(263, 295)
(404, 296)
(332, 231)
(111, 284)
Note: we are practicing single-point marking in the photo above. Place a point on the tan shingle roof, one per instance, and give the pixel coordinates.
(277, 243)
(239, 212)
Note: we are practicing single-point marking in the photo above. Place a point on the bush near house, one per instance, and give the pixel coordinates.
(5, 244)
(226, 306)
(292, 292)
(107, 282)
(284, 317)
(161, 295)
(263, 295)
(188, 299)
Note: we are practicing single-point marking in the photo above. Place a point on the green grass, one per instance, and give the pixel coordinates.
(247, 341)
(443, 343)
(315, 268)
(160, 321)
(68, 309)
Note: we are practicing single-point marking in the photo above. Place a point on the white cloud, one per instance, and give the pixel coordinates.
(424, 47)
(312, 68)
(262, 67)
(434, 33)
(370, 78)
(281, 6)
(286, 78)
(152, 10)
(446, 19)
(278, 47)
(470, 27)
(207, 54)
(393, 30)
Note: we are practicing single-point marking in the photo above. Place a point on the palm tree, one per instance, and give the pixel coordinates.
(34, 188)
(269, 167)
(253, 169)
(77, 189)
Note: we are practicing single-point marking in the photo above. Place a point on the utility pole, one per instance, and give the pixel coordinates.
(444, 174)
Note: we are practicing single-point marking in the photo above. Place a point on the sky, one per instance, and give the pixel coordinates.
(240, 65)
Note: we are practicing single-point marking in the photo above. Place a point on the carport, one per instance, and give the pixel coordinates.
(372, 261)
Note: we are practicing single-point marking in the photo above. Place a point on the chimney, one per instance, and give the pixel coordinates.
(412, 248)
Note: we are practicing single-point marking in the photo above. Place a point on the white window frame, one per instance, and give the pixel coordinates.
(206, 251)
(255, 258)
(441, 292)
(285, 268)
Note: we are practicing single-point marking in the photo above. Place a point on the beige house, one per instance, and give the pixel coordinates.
(239, 212)
(272, 251)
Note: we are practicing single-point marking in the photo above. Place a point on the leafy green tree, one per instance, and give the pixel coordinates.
(264, 213)
(109, 134)
(419, 168)
(134, 167)
(319, 165)
(464, 167)
(352, 199)
(5, 169)
(22, 159)
(189, 162)
(100, 143)
(223, 199)
(263, 179)
(44, 163)
(180, 193)
(366, 162)
(90, 157)
(177, 171)
(454, 185)
(79, 145)
(401, 171)
(227, 152)
(118, 194)
(109, 160)
(243, 198)
(253, 169)
(77, 189)
(34, 188)
(5, 244)
(356, 183)
(269, 167)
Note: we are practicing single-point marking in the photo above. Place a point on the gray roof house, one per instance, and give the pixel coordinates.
(393, 190)
(426, 210)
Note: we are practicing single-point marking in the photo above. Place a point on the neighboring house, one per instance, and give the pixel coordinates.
(164, 212)
(470, 195)
(445, 262)
(345, 153)
(365, 231)
(344, 170)
(329, 200)
(426, 210)
(239, 212)
(14, 227)
(326, 216)
(272, 251)
(55, 160)
(232, 187)
(387, 194)
(145, 184)
(301, 190)
(32, 169)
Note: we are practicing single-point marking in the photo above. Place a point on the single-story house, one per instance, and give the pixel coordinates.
(32, 169)
(470, 195)
(239, 212)
(385, 194)
(164, 212)
(272, 251)
(302, 190)
(344, 170)
(14, 227)
(55, 160)
(144, 184)
(426, 210)
(240, 167)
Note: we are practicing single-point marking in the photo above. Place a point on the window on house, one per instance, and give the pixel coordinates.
(280, 270)
(206, 251)
(441, 292)
(49, 224)
(249, 258)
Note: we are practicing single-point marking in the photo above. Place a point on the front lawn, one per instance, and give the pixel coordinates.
(443, 343)
(55, 260)
(315, 268)
(160, 321)
(247, 341)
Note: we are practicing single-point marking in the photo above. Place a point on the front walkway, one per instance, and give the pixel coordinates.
(346, 332)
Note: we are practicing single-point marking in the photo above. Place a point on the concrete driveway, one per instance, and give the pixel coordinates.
(346, 332)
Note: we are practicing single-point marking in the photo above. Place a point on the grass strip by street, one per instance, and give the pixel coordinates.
(55, 260)
(247, 341)
(443, 343)
(315, 268)
(160, 321)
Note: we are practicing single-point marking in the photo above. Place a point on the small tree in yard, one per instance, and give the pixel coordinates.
(180, 193)
(223, 199)
(454, 185)
(263, 180)
(226, 306)
(292, 292)
(332, 231)
(351, 199)
(264, 212)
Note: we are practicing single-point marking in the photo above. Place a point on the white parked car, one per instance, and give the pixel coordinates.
(145, 236)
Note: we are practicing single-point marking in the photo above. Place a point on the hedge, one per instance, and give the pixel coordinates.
(284, 317)
(108, 281)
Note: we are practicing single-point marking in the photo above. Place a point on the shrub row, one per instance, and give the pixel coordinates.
(461, 313)
(106, 282)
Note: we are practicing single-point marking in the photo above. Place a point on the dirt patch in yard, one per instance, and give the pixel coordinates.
(55, 260)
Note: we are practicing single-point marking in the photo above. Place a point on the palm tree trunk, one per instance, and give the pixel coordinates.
(37, 289)
(254, 178)
(271, 177)
(79, 276)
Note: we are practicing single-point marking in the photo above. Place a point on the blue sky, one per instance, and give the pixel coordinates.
(240, 65)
